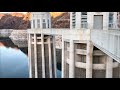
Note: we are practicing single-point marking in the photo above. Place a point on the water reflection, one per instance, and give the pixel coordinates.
(58, 73)
(13, 62)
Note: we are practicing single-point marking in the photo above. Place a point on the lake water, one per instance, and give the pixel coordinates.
(14, 62)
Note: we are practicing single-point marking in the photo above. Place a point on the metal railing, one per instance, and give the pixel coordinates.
(108, 41)
(113, 26)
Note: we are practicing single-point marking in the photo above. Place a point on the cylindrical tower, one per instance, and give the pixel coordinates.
(81, 59)
(42, 55)
(78, 20)
(41, 47)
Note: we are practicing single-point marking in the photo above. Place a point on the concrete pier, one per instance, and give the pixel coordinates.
(29, 56)
(89, 59)
(71, 61)
(109, 68)
(81, 59)
(42, 56)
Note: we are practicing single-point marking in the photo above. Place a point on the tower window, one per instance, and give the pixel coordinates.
(48, 23)
(111, 20)
(83, 19)
(110, 17)
(83, 13)
(33, 23)
(44, 24)
(38, 23)
(43, 20)
(73, 19)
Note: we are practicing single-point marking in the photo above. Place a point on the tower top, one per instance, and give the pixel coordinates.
(94, 20)
(40, 20)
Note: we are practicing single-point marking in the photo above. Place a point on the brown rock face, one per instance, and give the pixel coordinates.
(61, 21)
(14, 21)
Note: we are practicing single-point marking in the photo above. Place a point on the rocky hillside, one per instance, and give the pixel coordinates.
(14, 21)
(56, 14)
(61, 21)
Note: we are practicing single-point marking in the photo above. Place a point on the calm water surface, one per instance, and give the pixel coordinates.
(14, 62)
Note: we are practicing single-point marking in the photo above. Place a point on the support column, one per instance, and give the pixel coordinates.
(54, 55)
(89, 59)
(109, 67)
(46, 21)
(115, 20)
(119, 70)
(35, 56)
(41, 22)
(43, 56)
(49, 22)
(50, 60)
(63, 59)
(31, 23)
(71, 62)
(29, 55)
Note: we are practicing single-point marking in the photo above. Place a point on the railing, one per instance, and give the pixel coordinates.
(108, 41)
(113, 26)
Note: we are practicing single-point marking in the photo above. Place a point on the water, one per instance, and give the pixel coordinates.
(58, 73)
(14, 62)
(58, 70)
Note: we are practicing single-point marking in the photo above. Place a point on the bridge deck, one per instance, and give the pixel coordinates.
(108, 41)
(66, 33)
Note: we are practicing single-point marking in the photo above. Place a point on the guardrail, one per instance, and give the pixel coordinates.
(113, 26)
(108, 41)
(75, 34)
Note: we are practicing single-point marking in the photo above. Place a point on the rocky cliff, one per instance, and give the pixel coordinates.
(14, 21)
(61, 21)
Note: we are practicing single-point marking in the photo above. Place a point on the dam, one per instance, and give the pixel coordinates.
(90, 47)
